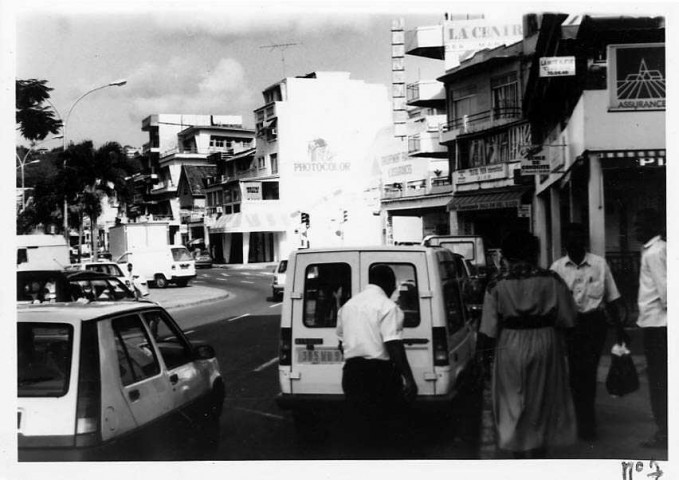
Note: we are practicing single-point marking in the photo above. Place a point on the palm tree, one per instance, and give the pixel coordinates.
(90, 175)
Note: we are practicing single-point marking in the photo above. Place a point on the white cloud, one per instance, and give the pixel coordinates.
(189, 85)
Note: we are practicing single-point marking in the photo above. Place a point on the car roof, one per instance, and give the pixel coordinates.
(399, 248)
(68, 312)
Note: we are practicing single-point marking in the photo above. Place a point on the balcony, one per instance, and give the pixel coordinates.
(479, 122)
(425, 42)
(194, 215)
(149, 147)
(426, 94)
(426, 144)
(419, 188)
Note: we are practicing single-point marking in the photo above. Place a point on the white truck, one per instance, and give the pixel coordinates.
(42, 252)
(134, 236)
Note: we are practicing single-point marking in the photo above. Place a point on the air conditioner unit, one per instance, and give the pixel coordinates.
(220, 210)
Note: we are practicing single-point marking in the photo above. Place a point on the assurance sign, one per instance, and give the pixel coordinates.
(557, 66)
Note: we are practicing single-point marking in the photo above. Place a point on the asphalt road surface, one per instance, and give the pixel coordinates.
(243, 329)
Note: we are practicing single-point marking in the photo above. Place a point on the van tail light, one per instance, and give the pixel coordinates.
(285, 347)
(440, 346)
(88, 410)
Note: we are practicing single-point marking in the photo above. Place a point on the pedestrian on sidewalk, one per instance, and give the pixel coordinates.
(527, 309)
(376, 379)
(652, 300)
(596, 295)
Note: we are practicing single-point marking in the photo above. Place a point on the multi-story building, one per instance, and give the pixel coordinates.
(486, 134)
(600, 127)
(176, 141)
(315, 135)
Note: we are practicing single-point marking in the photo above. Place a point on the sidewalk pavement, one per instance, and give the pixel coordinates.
(623, 422)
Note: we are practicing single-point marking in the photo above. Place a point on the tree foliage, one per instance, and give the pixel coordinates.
(34, 120)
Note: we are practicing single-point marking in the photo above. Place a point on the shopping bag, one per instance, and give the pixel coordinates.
(622, 376)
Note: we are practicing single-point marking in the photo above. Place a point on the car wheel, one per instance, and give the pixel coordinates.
(161, 281)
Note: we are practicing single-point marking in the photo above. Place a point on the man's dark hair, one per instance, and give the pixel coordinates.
(382, 276)
(520, 245)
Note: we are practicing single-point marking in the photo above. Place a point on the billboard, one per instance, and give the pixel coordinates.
(462, 38)
(636, 77)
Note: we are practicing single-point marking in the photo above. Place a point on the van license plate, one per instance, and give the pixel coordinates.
(319, 356)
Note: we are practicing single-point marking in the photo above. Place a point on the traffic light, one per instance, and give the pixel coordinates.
(345, 215)
(306, 219)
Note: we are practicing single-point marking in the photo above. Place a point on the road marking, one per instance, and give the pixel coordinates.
(275, 305)
(245, 281)
(267, 364)
(236, 318)
(257, 412)
(222, 279)
(224, 274)
(186, 332)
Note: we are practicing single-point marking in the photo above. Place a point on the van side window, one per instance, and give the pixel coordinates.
(407, 293)
(124, 258)
(327, 286)
(173, 348)
(136, 357)
(22, 255)
(452, 297)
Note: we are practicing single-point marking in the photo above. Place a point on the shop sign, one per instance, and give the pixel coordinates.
(524, 211)
(481, 174)
(557, 66)
(252, 191)
(462, 38)
(636, 77)
(489, 205)
(535, 165)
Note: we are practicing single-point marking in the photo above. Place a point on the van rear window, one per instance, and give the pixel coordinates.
(327, 286)
(406, 294)
(181, 254)
(466, 249)
(44, 352)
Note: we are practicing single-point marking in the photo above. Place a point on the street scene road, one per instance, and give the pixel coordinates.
(241, 321)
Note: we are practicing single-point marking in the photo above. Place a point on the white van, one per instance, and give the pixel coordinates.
(42, 252)
(439, 335)
(162, 265)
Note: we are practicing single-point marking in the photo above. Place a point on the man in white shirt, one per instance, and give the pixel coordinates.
(591, 283)
(376, 377)
(652, 319)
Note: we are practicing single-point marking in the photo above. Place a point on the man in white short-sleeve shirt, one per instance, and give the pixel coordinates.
(376, 376)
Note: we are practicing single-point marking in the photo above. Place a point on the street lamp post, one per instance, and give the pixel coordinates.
(23, 163)
(118, 83)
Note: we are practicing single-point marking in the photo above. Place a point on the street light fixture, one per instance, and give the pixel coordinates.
(117, 83)
(23, 163)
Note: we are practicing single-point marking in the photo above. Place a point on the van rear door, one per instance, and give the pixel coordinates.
(413, 294)
(322, 283)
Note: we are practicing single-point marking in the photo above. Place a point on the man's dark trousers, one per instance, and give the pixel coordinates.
(655, 346)
(585, 344)
(374, 401)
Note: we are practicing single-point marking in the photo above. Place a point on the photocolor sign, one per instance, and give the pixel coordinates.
(636, 77)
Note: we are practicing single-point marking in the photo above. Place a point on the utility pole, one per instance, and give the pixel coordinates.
(281, 47)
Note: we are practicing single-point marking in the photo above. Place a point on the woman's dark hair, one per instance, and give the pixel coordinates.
(520, 245)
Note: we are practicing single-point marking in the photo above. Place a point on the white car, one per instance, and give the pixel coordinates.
(112, 381)
(278, 280)
(113, 269)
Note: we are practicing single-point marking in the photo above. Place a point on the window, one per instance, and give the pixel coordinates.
(274, 163)
(505, 96)
(44, 354)
(173, 347)
(327, 287)
(22, 255)
(452, 296)
(406, 294)
(261, 163)
(180, 254)
(136, 357)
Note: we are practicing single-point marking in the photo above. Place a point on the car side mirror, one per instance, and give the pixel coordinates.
(204, 352)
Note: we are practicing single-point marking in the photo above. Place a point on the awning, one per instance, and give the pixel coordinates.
(491, 199)
(408, 203)
(251, 222)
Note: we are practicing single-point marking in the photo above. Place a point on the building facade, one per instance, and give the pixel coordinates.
(313, 134)
(601, 131)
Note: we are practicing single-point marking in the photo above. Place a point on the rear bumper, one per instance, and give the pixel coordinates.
(183, 277)
(287, 401)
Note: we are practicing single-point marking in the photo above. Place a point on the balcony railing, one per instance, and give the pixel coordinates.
(424, 93)
(418, 188)
(483, 120)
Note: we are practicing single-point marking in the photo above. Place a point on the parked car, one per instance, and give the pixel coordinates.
(56, 286)
(112, 381)
(439, 336)
(203, 259)
(278, 280)
(111, 268)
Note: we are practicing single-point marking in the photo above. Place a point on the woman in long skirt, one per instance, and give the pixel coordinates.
(526, 309)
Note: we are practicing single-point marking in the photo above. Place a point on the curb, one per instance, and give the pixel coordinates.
(190, 302)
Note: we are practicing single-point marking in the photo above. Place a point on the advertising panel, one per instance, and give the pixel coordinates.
(399, 167)
(557, 66)
(636, 77)
(252, 190)
(481, 174)
(462, 38)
